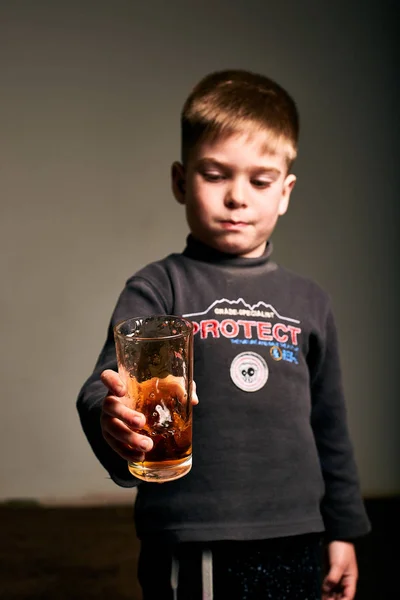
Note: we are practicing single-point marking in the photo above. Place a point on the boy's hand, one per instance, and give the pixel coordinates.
(341, 580)
(118, 421)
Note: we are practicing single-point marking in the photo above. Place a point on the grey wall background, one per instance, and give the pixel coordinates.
(90, 101)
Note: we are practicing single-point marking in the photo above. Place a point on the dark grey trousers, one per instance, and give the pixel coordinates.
(288, 568)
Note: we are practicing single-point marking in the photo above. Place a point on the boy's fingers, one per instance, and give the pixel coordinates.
(350, 587)
(177, 386)
(123, 450)
(113, 407)
(195, 398)
(117, 387)
(117, 430)
(113, 382)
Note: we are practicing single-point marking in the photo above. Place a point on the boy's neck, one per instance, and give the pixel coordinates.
(201, 251)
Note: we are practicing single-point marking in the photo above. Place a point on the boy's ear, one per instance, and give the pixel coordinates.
(178, 181)
(288, 186)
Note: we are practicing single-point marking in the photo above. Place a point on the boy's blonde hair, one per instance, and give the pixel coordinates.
(236, 101)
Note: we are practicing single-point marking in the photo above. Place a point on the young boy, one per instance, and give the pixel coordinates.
(273, 480)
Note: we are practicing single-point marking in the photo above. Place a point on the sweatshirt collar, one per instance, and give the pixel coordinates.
(200, 251)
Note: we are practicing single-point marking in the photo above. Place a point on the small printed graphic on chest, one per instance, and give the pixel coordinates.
(249, 371)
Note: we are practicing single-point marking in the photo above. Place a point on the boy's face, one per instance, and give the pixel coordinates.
(234, 193)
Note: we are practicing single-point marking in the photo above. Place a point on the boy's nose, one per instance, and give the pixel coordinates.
(235, 196)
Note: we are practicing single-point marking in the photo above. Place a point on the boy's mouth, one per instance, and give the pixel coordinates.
(233, 225)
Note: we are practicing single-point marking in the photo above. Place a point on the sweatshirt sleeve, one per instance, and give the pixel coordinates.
(342, 506)
(139, 298)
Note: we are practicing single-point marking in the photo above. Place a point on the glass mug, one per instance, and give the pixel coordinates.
(155, 360)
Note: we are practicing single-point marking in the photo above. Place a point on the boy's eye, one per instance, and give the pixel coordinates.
(260, 183)
(212, 176)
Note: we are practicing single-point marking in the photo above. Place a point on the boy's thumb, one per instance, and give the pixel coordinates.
(332, 578)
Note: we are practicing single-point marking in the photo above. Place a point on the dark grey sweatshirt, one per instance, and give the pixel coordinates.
(272, 454)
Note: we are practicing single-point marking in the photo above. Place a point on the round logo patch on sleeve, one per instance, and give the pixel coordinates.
(249, 371)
